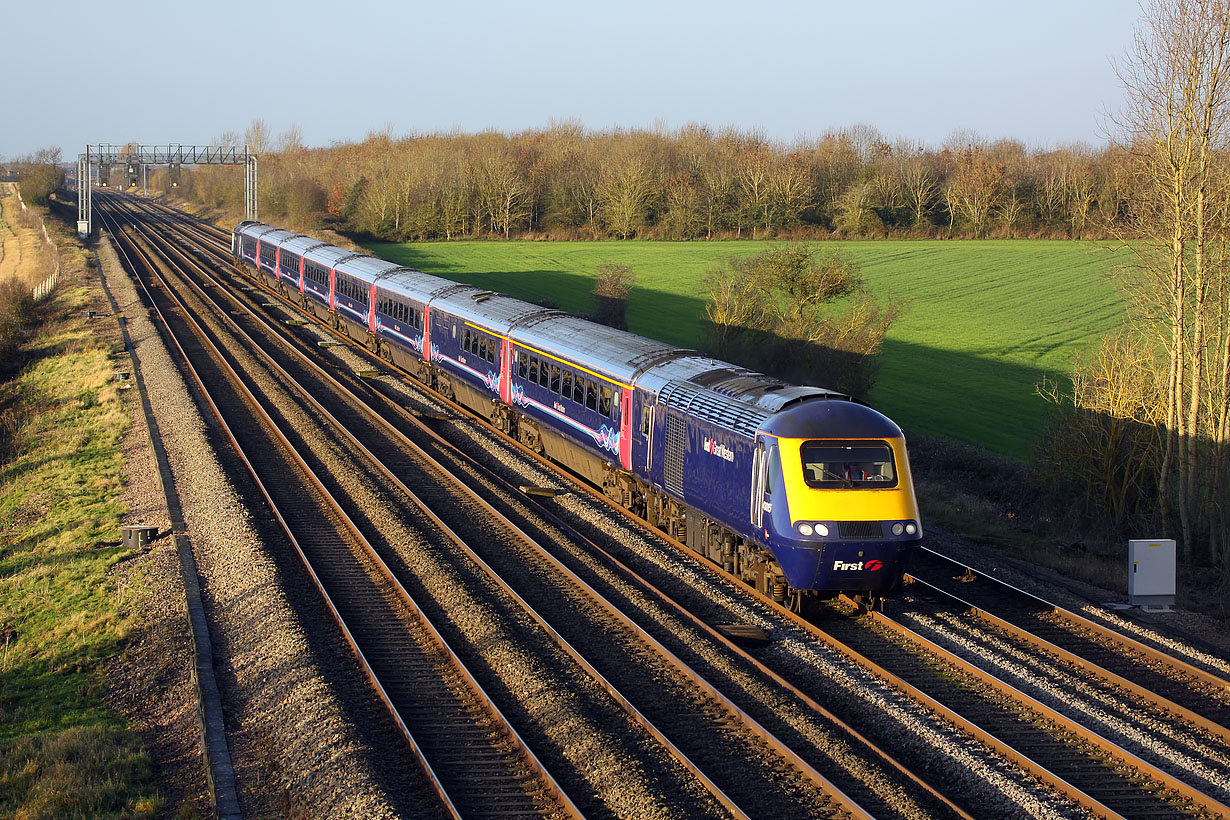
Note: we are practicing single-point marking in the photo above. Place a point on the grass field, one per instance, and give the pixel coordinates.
(985, 320)
(63, 752)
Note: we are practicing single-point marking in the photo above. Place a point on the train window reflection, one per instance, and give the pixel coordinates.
(848, 464)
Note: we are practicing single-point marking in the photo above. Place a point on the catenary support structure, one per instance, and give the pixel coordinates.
(132, 156)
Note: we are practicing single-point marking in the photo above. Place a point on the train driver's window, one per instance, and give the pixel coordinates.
(604, 402)
(646, 415)
(554, 378)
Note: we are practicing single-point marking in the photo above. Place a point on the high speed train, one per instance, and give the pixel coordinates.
(798, 491)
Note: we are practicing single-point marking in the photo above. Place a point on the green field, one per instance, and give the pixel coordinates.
(986, 320)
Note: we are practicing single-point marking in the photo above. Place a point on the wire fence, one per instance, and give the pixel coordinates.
(48, 286)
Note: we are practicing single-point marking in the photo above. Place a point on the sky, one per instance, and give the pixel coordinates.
(1040, 72)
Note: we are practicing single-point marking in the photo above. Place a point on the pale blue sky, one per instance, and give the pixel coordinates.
(186, 72)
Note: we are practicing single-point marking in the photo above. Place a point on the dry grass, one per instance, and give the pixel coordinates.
(63, 754)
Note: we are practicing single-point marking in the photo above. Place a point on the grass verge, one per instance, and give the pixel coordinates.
(63, 754)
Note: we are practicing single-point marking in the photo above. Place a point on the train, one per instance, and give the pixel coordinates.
(802, 492)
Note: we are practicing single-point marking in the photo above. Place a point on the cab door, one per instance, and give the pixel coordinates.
(761, 497)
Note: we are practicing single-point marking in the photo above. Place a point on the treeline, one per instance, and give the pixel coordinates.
(39, 175)
(567, 182)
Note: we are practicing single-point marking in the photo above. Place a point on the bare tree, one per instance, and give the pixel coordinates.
(258, 137)
(1177, 122)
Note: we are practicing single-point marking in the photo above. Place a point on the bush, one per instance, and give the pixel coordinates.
(799, 318)
(611, 290)
(16, 312)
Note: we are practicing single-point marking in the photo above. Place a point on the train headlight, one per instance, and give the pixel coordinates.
(822, 530)
(806, 529)
(911, 528)
(898, 528)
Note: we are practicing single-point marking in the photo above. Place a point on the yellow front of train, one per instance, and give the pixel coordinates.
(842, 513)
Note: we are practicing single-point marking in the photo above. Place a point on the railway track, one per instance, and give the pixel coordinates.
(722, 736)
(448, 721)
(1107, 784)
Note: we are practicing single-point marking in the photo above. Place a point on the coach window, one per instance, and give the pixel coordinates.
(465, 340)
(604, 401)
(566, 388)
(578, 390)
(482, 345)
(554, 378)
(533, 373)
(523, 364)
(591, 395)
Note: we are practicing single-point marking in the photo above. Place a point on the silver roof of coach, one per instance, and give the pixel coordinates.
(483, 307)
(620, 354)
(277, 236)
(415, 285)
(367, 268)
(328, 255)
(300, 244)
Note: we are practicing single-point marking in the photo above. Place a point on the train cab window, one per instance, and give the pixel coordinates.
(848, 465)
(604, 401)
(646, 418)
(591, 395)
(554, 378)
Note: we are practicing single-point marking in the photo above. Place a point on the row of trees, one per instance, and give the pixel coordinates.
(40, 174)
(566, 182)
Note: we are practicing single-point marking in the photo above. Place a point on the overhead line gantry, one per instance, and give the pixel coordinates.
(174, 156)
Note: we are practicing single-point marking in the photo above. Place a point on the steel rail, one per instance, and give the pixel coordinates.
(1058, 718)
(685, 614)
(1082, 622)
(680, 666)
(1025, 636)
(563, 802)
(1003, 748)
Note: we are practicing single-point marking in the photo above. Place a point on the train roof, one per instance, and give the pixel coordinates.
(328, 255)
(367, 268)
(300, 244)
(619, 354)
(277, 236)
(255, 228)
(416, 285)
(837, 419)
(483, 307)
